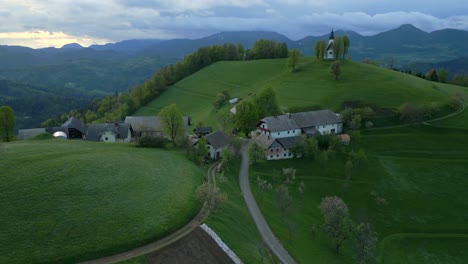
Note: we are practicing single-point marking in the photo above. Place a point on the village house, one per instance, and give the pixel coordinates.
(278, 148)
(109, 132)
(216, 143)
(279, 134)
(149, 125)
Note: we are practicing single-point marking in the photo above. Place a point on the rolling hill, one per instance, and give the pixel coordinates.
(69, 201)
(312, 85)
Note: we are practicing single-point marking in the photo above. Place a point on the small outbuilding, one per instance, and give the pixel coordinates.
(217, 141)
(202, 131)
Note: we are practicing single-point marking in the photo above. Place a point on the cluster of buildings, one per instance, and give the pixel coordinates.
(276, 134)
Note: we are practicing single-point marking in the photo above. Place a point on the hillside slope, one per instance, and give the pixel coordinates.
(312, 85)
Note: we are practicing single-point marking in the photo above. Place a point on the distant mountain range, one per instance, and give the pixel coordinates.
(115, 67)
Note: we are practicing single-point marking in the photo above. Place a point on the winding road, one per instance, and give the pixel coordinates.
(262, 226)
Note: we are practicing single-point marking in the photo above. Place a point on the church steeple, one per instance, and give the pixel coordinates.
(332, 34)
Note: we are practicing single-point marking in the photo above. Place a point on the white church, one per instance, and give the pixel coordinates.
(329, 51)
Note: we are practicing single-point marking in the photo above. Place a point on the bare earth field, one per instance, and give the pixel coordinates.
(196, 248)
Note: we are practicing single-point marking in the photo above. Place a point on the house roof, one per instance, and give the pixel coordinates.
(95, 130)
(203, 130)
(74, 122)
(265, 141)
(218, 139)
(316, 118)
(280, 123)
(289, 142)
(149, 123)
(144, 123)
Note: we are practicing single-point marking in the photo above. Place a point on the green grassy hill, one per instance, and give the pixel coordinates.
(69, 201)
(420, 172)
(313, 85)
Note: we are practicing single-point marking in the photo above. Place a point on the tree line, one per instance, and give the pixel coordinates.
(118, 106)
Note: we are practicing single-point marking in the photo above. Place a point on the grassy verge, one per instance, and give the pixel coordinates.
(235, 225)
(68, 201)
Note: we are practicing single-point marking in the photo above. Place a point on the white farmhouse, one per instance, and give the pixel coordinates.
(281, 126)
(292, 125)
(279, 134)
(109, 132)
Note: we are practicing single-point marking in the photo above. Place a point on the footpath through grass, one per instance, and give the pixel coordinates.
(69, 201)
(419, 171)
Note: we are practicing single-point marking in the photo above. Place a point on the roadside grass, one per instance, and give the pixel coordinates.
(312, 85)
(70, 201)
(234, 224)
(419, 171)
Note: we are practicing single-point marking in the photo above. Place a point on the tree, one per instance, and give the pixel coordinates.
(346, 44)
(365, 242)
(317, 50)
(7, 124)
(293, 59)
(284, 200)
(172, 122)
(433, 75)
(338, 47)
(246, 117)
(226, 158)
(267, 103)
(443, 75)
(338, 224)
(255, 153)
(335, 69)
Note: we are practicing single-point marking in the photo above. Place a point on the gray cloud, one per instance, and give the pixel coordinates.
(115, 20)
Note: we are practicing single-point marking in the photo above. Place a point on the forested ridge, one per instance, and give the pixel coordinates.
(118, 106)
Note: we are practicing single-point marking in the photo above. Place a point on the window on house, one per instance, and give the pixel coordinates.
(271, 156)
(278, 133)
(106, 139)
(271, 150)
(288, 131)
(285, 154)
(290, 154)
(277, 156)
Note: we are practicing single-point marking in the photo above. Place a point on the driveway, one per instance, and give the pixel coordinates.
(262, 226)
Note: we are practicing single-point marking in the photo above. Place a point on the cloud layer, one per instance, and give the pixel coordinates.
(57, 22)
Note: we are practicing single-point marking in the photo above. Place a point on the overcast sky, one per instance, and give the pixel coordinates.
(45, 23)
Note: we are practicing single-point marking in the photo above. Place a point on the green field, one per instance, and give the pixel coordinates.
(234, 224)
(313, 85)
(69, 201)
(420, 172)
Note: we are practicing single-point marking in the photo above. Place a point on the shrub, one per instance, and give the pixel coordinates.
(152, 142)
(43, 136)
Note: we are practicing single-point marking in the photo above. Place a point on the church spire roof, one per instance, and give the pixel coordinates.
(332, 34)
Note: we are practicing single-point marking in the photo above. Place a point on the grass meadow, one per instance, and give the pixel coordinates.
(312, 85)
(70, 201)
(419, 171)
(234, 224)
